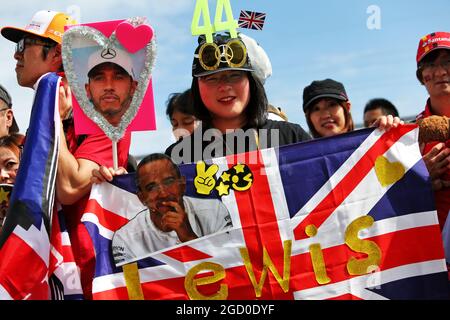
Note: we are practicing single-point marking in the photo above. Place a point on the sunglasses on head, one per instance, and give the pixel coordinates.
(233, 53)
(21, 45)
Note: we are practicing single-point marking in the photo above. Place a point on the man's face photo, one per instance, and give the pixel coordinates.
(111, 90)
(159, 184)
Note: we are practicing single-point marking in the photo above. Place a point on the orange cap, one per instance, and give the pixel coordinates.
(45, 23)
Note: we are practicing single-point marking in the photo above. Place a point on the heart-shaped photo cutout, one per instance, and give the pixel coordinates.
(108, 82)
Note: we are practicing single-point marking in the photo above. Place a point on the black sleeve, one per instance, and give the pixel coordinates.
(291, 133)
(302, 134)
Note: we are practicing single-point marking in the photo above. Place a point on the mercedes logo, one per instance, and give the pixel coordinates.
(109, 53)
(223, 52)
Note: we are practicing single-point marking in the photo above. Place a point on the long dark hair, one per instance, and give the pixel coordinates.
(181, 102)
(349, 125)
(256, 110)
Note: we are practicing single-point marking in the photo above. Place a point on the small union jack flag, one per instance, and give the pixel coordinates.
(251, 20)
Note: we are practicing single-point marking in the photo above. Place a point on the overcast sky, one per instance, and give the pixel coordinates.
(370, 46)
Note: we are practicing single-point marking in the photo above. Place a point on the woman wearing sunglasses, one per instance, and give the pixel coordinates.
(231, 102)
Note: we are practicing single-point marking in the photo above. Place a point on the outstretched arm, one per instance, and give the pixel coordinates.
(73, 179)
(73, 176)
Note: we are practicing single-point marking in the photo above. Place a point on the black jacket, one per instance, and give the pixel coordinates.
(206, 144)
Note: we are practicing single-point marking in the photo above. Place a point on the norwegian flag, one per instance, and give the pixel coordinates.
(29, 261)
(329, 183)
(251, 20)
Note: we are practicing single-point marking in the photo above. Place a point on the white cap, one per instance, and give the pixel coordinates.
(112, 55)
(259, 60)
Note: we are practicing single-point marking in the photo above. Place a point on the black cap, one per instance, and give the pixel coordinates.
(219, 40)
(5, 97)
(327, 88)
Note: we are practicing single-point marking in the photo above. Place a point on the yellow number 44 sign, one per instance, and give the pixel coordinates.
(207, 29)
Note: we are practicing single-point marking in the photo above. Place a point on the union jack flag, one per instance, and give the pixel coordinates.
(33, 264)
(269, 254)
(251, 20)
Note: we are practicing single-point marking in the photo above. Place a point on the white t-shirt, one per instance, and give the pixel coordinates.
(140, 237)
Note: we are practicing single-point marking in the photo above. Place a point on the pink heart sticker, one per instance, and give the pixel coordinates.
(134, 39)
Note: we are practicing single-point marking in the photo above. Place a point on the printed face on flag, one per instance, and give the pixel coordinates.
(347, 217)
(170, 218)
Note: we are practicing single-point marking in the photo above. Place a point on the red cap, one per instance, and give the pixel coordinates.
(433, 41)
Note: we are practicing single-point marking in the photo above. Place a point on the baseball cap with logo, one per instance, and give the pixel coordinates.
(111, 55)
(431, 42)
(45, 23)
(6, 98)
(327, 88)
